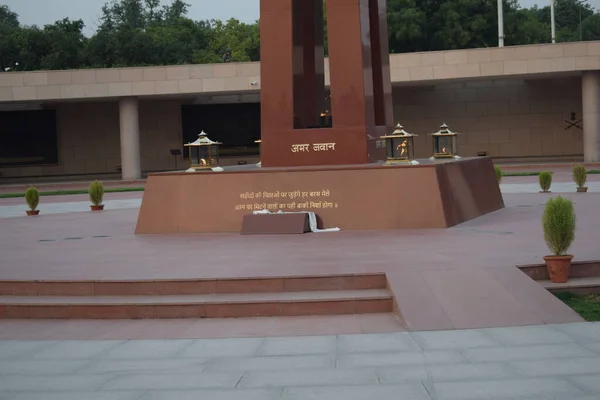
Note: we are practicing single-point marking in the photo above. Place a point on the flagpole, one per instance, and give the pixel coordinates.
(552, 21)
(500, 24)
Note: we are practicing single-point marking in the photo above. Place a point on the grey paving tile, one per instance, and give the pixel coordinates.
(70, 207)
(528, 335)
(376, 343)
(39, 367)
(358, 360)
(11, 349)
(410, 391)
(167, 366)
(514, 388)
(313, 377)
(568, 366)
(583, 331)
(115, 395)
(589, 383)
(173, 381)
(208, 394)
(470, 372)
(140, 349)
(223, 348)
(271, 363)
(30, 383)
(448, 340)
(527, 353)
(593, 346)
(302, 345)
(75, 349)
(393, 375)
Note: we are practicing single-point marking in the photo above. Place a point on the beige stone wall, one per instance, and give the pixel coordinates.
(508, 118)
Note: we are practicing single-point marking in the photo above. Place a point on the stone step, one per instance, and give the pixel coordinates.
(579, 269)
(194, 286)
(574, 285)
(334, 302)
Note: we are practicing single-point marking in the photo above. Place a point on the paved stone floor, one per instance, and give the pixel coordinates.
(552, 362)
(456, 278)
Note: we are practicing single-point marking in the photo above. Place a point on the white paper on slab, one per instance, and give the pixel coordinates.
(312, 219)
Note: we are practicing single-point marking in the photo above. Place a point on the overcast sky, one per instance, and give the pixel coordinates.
(41, 12)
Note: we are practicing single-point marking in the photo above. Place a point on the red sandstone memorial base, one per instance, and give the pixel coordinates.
(357, 197)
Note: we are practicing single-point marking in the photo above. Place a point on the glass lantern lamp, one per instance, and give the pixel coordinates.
(204, 153)
(445, 144)
(400, 147)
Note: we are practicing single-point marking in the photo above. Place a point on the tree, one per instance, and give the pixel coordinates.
(65, 45)
(8, 18)
(146, 32)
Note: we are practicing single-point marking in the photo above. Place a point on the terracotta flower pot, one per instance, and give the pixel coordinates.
(33, 212)
(558, 267)
(582, 189)
(97, 208)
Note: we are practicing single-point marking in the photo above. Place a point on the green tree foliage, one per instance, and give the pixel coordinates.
(150, 32)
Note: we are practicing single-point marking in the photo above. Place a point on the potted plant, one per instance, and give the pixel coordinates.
(96, 192)
(545, 181)
(32, 197)
(559, 232)
(498, 172)
(580, 177)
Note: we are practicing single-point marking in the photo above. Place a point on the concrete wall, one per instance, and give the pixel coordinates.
(509, 118)
(430, 67)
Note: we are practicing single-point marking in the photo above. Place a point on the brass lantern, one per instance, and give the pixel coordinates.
(445, 143)
(400, 147)
(204, 153)
(259, 141)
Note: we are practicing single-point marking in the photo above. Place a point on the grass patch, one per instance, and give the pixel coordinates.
(520, 173)
(586, 305)
(534, 173)
(69, 192)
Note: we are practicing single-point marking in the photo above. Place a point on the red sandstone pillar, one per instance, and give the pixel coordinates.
(292, 92)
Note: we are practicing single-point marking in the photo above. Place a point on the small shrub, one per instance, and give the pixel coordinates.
(498, 172)
(545, 181)
(559, 223)
(96, 192)
(32, 197)
(579, 175)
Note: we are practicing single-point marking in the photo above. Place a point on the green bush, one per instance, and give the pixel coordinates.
(32, 197)
(498, 172)
(545, 181)
(96, 192)
(579, 175)
(559, 223)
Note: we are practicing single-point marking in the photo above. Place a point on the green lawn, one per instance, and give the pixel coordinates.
(520, 173)
(537, 173)
(67, 192)
(586, 305)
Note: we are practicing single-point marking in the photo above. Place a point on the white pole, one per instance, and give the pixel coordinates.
(500, 24)
(552, 21)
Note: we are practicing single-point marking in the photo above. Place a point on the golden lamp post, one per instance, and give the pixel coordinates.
(400, 147)
(204, 154)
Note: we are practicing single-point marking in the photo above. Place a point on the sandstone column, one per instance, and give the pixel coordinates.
(590, 89)
(130, 138)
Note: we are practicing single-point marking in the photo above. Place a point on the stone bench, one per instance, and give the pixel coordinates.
(275, 224)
